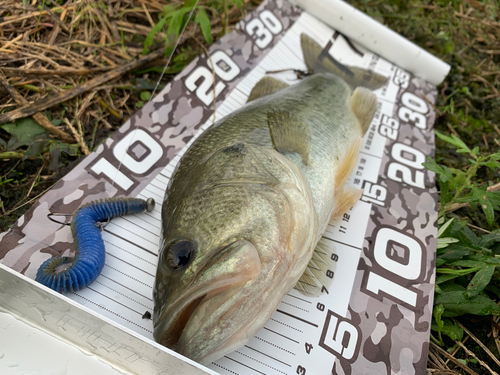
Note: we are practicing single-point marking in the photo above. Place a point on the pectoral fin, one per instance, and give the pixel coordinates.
(320, 270)
(266, 86)
(364, 105)
(288, 133)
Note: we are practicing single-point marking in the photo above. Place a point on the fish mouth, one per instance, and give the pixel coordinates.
(230, 271)
(173, 332)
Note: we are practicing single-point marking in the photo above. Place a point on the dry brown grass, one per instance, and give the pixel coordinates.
(81, 63)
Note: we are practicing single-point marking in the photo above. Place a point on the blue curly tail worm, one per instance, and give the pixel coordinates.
(66, 274)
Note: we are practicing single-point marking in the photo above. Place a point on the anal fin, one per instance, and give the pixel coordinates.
(266, 86)
(347, 197)
(349, 162)
(288, 133)
(320, 271)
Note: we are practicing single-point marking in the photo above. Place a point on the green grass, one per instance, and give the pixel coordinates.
(465, 34)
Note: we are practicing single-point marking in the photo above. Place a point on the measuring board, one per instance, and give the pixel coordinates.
(375, 317)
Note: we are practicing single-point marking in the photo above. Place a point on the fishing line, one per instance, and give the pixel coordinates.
(157, 84)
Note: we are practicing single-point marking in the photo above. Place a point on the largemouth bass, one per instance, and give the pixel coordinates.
(246, 207)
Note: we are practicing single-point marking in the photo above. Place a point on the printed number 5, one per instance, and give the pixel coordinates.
(264, 27)
(340, 337)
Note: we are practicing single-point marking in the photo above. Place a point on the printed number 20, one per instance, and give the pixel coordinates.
(400, 171)
(264, 27)
(224, 67)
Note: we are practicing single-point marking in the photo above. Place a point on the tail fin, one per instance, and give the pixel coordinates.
(324, 63)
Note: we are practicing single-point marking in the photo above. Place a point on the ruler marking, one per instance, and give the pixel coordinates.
(245, 365)
(137, 235)
(131, 265)
(147, 222)
(127, 275)
(366, 153)
(160, 188)
(280, 322)
(297, 307)
(126, 287)
(267, 355)
(262, 363)
(343, 243)
(286, 337)
(304, 291)
(124, 295)
(291, 295)
(276, 346)
(137, 225)
(151, 216)
(115, 301)
(296, 317)
(128, 252)
(112, 312)
(222, 367)
(130, 242)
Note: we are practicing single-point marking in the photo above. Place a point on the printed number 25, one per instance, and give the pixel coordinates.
(264, 27)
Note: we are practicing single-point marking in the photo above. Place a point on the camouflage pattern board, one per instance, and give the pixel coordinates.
(375, 318)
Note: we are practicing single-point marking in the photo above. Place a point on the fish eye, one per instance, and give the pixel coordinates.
(179, 254)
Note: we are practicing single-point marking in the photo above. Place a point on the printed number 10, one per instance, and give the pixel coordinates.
(121, 153)
(402, 268)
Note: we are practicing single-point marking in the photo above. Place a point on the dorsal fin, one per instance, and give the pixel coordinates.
(320, 62)
(266, 86)
(316, 275)
(364, 105)
(288, 133)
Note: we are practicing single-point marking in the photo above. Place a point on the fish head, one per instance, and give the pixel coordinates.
(225, 252)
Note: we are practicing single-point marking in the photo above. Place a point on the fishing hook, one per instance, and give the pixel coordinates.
(68, 274)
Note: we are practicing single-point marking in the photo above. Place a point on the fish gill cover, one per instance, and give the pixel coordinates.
(375, 317)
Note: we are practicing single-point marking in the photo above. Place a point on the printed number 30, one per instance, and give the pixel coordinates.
(264, 27)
